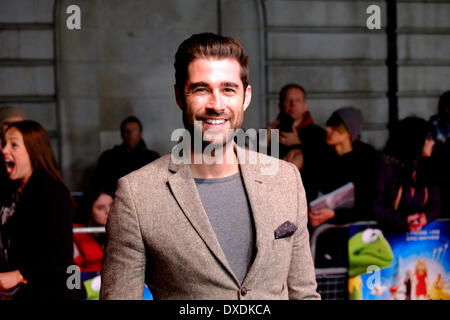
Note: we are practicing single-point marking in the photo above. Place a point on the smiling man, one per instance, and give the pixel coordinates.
(210, 230)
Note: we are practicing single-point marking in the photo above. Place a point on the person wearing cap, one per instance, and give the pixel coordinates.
(8, 115)
(348, 160)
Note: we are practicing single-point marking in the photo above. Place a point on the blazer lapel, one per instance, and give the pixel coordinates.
(259, 195)
(185, 192)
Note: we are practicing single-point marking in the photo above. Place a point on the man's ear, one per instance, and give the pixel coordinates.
(247, 96)
(178, 96)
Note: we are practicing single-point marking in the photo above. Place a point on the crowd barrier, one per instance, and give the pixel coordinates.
(332, 280)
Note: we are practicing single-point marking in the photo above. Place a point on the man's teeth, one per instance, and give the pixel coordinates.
(211, 121)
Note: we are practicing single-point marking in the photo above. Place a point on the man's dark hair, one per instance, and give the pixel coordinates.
(282, 94)
(205, 46)
(128, 120)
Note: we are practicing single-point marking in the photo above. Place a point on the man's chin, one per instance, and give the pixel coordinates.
(217, 142)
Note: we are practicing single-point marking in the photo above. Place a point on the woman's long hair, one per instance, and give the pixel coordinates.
(37, 143)
(405, 144)
(85, 205)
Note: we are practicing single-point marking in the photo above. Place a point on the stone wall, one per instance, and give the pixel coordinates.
(81, 83)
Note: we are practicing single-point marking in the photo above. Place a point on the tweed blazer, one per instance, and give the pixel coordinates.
(159, 233)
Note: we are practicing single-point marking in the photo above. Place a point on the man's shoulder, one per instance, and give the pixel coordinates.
(264, 161)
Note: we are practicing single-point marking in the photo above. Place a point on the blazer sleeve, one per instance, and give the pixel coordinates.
(124, 261)
(301, 279)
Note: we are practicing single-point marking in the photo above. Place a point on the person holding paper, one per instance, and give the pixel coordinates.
(348, 160)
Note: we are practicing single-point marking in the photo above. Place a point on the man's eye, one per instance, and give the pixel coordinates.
(200, 90)
(229, 90)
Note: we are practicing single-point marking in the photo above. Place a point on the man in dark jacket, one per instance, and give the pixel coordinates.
(131, 155)
(299, 137)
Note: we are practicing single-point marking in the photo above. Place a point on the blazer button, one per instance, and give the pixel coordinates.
(244, 291)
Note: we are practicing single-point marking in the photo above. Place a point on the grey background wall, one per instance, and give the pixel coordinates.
(81, 83)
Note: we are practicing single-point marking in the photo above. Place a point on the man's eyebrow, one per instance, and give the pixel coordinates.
(230, 84)
(196, 85)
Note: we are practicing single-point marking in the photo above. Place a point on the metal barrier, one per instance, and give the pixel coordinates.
(332, 283)
(89, 230)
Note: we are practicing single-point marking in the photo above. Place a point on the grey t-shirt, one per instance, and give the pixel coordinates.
(226, 203)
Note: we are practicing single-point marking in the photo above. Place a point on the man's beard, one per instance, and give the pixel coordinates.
(219, 139)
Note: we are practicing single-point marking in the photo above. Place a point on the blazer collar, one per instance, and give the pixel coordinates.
(185, 192)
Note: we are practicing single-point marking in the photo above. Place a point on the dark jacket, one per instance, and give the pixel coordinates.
(387, 189)
(41, 246)
(439, 169)
(358, 166)
(118, 162)
(7, 186)
(314, 148)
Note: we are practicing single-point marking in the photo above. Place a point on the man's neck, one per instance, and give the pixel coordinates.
(226, 167)
(297, 121)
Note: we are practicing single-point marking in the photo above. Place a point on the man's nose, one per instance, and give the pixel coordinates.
(216, 103)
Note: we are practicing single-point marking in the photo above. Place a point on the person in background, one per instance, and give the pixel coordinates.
(8, 115)
(406, 199)
(299, 137)
(36, 228)
(441, 120)
(93, 211)
(348, 160)
(440, 159)
(131, 155)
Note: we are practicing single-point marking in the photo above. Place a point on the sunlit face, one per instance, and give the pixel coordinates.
(131, 134)
(214, 96)
(294, 103)
(101, 207)
(16, 157)
(427, 149)
(336, 135)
